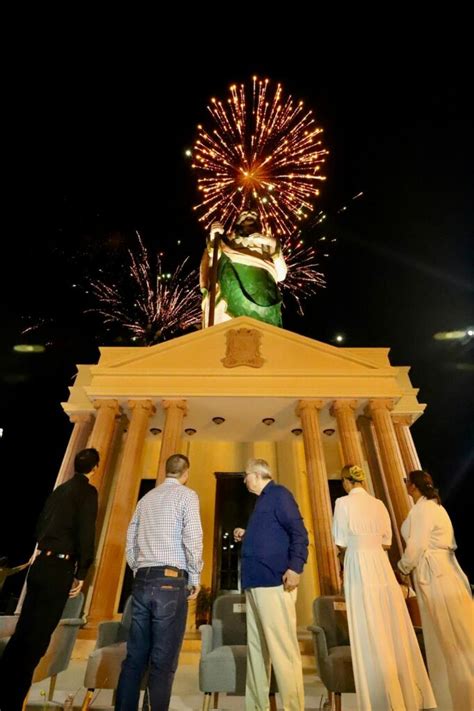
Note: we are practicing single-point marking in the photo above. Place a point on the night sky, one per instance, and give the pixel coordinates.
(94, 150)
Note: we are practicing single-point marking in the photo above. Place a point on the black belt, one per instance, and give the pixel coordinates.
(52, 554)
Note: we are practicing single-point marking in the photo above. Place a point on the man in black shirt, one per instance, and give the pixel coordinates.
(65, 534)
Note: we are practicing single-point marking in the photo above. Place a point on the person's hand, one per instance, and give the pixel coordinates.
(402, 569)
(239, 533)
(193, 592)
(76, 587)
(217, 228)
(290, 580)
(403, 578)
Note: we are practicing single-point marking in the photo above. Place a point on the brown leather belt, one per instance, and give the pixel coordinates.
(168, 571)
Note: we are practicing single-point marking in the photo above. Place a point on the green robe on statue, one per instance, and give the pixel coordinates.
(249, 291)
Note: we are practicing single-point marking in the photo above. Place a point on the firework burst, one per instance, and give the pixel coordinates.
(263, 148)
(152, 305)
(303, 278)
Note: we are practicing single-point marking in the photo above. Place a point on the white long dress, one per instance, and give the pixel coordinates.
(388, 667)
(445, 602)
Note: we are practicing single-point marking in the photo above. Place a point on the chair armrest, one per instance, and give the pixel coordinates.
(7, 625)
(72, 621)
(206, 639)
(320, 643)
(108, 633)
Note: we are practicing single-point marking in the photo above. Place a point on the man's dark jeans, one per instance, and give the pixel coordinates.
(159, 610)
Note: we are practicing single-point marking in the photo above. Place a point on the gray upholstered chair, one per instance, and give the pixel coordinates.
(58, 654)
(105, 662)
(223, 664)
(331, 646)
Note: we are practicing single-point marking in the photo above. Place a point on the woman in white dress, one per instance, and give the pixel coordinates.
(443, 594)
(388, 667)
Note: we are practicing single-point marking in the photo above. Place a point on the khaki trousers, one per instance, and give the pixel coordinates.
(272, 641)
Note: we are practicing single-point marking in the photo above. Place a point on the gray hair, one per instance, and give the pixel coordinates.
(260, 467)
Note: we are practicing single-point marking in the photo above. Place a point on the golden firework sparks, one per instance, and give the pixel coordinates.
(264, 148)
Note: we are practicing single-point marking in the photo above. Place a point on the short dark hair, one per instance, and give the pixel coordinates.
(176, 465)
(86, 460)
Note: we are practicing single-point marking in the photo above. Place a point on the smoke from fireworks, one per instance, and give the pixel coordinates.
(263, 147)
(152, 305)
(302, 252)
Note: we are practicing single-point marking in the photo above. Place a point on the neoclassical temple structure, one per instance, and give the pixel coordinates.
(221, 395)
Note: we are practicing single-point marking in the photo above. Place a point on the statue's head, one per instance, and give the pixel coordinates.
(247, 223)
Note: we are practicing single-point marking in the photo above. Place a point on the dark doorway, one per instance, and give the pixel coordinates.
(146, 485)
(234, 504)
(335, 491)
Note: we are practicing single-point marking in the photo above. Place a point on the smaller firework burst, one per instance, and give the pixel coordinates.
(303, 278)
(149, 304)
(36, 324)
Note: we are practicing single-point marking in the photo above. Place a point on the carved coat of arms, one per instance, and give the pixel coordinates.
(243, 348)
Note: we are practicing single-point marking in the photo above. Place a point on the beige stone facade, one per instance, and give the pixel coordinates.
(330, 405)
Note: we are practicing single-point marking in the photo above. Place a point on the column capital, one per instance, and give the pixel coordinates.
(403, 419)
(385, 404)
(146, 405)
(104, 404)
(341, 405)
(175, 404)
(309, 405)
(81, 417)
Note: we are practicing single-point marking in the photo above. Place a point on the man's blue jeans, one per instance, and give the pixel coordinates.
(159, 610)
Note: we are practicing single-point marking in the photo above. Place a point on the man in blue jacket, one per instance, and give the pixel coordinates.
(274, 551)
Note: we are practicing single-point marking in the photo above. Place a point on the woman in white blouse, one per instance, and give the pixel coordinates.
(443, 593)
(388, 667)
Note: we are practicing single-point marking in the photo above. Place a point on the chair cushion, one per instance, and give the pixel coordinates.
(224, 669)
(336, 670)
(104, 666)
(73, 606)
(59, 652)
(330, 614)
(58, 655)
(230, 613)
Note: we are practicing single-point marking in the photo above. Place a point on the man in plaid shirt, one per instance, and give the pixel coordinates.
(164, 550)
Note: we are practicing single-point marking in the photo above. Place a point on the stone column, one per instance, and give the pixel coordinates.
(392, 464)
(379, 482)
(110, 566)
(176, 411)
(343, 411)
(80, 433)
(408, 451)
(366, 428)
(308, 410)
(101, 436)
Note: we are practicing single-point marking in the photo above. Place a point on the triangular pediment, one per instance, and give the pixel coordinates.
(243, 364)
(207, 351)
